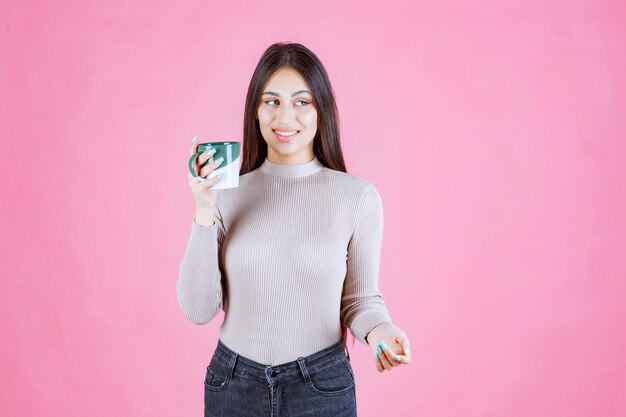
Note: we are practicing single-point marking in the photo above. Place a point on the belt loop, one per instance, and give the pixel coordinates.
(231, 365)
(305, 373)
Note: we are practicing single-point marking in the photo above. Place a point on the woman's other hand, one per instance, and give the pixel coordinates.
(389, 345)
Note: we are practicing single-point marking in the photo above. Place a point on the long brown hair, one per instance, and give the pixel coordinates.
(326, 144)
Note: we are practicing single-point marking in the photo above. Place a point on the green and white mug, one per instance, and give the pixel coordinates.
(229, 152)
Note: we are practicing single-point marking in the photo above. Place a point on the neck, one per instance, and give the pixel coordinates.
(291, 170)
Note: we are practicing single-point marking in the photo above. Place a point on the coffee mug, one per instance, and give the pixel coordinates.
(229, 152)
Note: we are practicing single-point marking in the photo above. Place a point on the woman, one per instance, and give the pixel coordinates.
(291, 255)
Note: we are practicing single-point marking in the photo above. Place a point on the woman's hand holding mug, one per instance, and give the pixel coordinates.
(203, 195)
(212, 166)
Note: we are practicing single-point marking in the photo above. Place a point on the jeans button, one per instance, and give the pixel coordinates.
(274, 373)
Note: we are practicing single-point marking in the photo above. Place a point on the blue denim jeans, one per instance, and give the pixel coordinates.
(321, 384)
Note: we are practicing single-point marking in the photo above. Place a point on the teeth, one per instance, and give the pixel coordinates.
(287, 133)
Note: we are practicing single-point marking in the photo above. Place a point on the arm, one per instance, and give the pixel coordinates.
(362, 304)
(199, 287)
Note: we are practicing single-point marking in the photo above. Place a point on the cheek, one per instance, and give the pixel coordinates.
(264, 118)
(309, 118)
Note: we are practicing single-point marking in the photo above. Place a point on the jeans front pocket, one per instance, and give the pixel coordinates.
(217, 376)
(334, 379)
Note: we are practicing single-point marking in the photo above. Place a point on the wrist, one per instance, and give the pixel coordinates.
(204, 216)
(374, 330)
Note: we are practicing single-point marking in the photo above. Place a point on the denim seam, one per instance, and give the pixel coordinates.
(229, 374)
(325, 365)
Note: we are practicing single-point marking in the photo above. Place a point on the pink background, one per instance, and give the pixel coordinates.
(493, 130)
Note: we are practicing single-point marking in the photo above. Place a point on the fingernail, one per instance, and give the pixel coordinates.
(376, 356)
(380, 351)
(218, 161)
(407, 350)
(396, 357)
(194, 140)
(383, 345)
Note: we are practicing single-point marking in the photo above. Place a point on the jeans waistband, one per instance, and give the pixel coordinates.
(287, 371)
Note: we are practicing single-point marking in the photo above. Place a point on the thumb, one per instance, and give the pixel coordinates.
(403, 341)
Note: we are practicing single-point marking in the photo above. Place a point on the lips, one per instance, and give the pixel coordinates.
(286, 136)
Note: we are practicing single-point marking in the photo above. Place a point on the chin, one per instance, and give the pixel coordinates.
(285, 152)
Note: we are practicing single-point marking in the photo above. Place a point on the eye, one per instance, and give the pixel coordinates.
(272, 101)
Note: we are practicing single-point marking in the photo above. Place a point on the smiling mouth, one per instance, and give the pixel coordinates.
(286, 136)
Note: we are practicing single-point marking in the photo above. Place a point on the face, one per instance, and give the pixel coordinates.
(287, 107)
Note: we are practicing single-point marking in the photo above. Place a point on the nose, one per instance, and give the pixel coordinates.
(286, 114)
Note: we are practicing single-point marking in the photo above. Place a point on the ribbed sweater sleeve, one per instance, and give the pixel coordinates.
(362, 304)
(200, 288)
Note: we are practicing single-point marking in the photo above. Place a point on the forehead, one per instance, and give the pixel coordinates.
(286, 81)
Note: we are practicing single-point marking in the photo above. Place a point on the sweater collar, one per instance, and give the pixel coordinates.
(291, 170)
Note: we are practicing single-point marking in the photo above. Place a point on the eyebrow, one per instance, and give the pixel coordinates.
(278, 95)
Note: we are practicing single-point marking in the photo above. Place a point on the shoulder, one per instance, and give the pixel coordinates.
(352, 185)
(360, 198)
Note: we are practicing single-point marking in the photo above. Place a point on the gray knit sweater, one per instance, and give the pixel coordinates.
(294, 250)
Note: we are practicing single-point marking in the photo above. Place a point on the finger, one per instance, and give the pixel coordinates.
(202, 158)
(208, 168)
(201, 184)
(198, 183)
(403, 358)
(194, 146)
(379, 365)
(210, 182)
(402, 340)
(203, 172)
(199, 177)
(405, 351)
(406, 348)
(391, 356)
(191, 177)
(383, 357)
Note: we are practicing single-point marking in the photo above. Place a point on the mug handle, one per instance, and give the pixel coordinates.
(192, 163)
